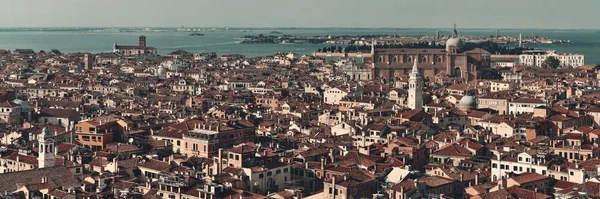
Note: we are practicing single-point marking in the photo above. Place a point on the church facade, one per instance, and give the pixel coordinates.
(140, 49)
(392, 63)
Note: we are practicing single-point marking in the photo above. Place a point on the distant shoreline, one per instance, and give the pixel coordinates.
(196, 29)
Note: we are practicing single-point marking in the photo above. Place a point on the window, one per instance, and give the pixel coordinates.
(278, 171)
(260, 175)
(571, 173)
(237, 157)
(285, 170)
(494, 165)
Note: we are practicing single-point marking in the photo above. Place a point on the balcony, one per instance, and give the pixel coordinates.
(202, 136)
(174, 181)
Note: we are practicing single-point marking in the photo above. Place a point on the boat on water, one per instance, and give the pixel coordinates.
(196, 34)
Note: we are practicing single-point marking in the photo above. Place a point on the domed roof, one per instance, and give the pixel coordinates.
(467, 101)
(454, 41)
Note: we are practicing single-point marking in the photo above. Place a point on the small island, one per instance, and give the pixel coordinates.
(196, 34)
(276, 32)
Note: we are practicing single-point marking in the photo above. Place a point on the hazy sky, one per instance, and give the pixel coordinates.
(564, 14)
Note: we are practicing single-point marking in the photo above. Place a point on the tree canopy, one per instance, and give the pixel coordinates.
(551, 62)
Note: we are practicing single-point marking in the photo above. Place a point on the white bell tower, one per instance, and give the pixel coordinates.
(415, 90)
(46, 149)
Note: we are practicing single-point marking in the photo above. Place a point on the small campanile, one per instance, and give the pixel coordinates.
(415, 90)
(142, 41)
(46, 149)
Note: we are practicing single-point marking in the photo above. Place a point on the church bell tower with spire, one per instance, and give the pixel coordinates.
(415, 90)
(46, 149)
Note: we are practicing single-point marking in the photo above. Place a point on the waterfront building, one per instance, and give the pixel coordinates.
(537, 58)
(140, 49)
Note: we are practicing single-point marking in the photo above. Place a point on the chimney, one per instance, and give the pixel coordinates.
(401, 192)
(503, 184)
(331, 156)
(333, 185)
(44, 179)
(477, 179)
(323, 166)
(220, 163)
(462, 177)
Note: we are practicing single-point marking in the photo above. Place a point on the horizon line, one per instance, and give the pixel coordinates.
(284, 27)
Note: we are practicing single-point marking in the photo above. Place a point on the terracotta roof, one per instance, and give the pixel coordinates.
(525, 193)
(407, 184)
(62, 113)
(435, 181)
(155, 165)
(561, 184)
(57, 177)
(244, 148)
(58, 193)
(7, 104)
(529, 101)
(453, 149)
(525, 178)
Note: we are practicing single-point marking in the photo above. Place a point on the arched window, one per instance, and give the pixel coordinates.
(410, 59)
(439, 59)
(395, 59)
(380, 59)
(424, 60)
(457, 72)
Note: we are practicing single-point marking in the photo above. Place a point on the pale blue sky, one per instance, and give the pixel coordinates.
(554, 14)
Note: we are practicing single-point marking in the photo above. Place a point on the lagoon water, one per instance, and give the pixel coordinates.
(223, 41)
